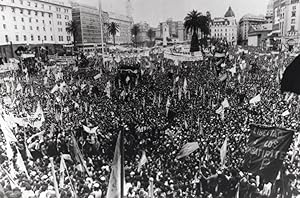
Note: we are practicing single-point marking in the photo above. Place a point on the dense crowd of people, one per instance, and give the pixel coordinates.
(160, 104)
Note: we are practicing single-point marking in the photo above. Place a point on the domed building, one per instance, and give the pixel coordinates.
(225, 28)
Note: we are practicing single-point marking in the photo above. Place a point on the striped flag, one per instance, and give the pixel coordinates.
(187, 149)
(143, 161)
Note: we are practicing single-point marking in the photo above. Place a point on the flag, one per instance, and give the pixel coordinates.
(62, 168)
(187, 149)
(9, 151)
(19, 87)
(97, 76)
(184, 86)
(114, 185)
(54, 89)
(223, 151)
(285, 113)
(90, 130)
(20, 163)
(232, 70)
(79, 156)
(142, 161)
(223, 77)
(221, 112)
(225, 103)
(255, 99)
(8, 134)
(107, 89)
(290, 81)
(296, 148)
(54, 177)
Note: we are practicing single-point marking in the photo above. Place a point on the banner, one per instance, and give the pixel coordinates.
(266, 149)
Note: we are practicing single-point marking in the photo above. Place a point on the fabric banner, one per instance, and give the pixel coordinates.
(187, 149)
(266, 149)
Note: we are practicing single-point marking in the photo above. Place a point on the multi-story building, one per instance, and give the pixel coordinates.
(125, 24)
(34, 23)
(88, 23)
(286, 23)
(225, 27)
(175, 31)
(258, 35)
(245, 22)
(270, 13)
(142, 35)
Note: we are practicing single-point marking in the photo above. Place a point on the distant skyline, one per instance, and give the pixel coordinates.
(155, 11)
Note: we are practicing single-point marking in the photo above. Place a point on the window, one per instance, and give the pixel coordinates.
(29, 12)
(294, 7)
(58, 16)
(50, 22)
(42, 14)
(42, 6)
(16, 27)
(293, 13)
(13, 10)
(35, 5)
(17, 37)
(30, 27)
(3, 17)
(21, 2)
(37, 28)
(13, 1)
(49, 7)
(67, 17)
(21, 11)
(22, 19)
(68, 38)
(51, 38)
(23, 27)
(32, 38)
(293, 21)
(39, 37)
(45, 38)
(49, 15)
(36, 13)
(37, 20)
(292, 28)
(6, 38)
(43, 21)
(44, 28)
(30, 20)
(28, 3)
(51, 29)
(25, 38)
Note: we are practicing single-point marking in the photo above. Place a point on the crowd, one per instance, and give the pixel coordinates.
(160, 105)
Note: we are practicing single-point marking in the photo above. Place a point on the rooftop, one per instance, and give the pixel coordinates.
(229, 13)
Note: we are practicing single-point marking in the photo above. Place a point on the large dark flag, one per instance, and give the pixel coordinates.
(290, 81)
(266, 149)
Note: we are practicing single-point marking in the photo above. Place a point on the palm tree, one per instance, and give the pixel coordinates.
(72, 29)
(194, 22)
(113, 28)
(135, 30)
(151, 34)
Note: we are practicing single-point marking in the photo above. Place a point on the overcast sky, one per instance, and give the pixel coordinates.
(155, 11)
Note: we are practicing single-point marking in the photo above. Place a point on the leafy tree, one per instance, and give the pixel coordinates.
(113, 28)
(192, 24)
(151, 34)
(72, 28)
(135, 30)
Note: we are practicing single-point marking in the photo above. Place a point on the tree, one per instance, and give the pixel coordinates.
(192, 24)
(151, 34)
(135, 30)
(72, 28)
(113, 28)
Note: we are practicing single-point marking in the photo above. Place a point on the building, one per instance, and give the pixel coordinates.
(34, 23)
(270, 13)
(142, 35)
(175, 30)
(88, 23)
(286, 23)
(225, 27)
(125, 24)
(258, 35)
(244, 24)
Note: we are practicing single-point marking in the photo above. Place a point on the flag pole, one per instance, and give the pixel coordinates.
(122, 162)
(101, 29)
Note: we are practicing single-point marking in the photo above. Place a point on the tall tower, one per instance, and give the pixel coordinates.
(128, 8)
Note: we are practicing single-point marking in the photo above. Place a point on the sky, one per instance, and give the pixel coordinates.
(155, 11)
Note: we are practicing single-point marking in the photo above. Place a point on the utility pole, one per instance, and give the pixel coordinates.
(101, 26)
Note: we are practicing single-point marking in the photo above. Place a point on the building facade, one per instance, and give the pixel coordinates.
(245, 23)
(88, 23)
(125, 24)
(175, 31)
(225, 27)
(258, 35)
(33, 22)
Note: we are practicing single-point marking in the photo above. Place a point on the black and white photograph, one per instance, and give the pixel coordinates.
(149, 98)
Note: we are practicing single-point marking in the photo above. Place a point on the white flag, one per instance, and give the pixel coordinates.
(223, 151)
(225, 103)
(142, 161)
(187, 149)
(255, 99)
(285, 113)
